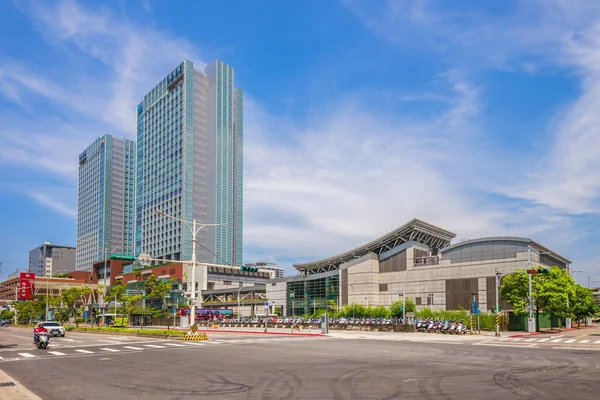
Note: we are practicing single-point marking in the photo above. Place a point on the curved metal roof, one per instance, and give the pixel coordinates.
(509, 239)
(414, 230)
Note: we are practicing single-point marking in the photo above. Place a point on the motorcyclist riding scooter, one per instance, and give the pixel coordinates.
(37, 331)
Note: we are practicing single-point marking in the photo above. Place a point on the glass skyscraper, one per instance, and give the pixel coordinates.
(105, 200)
(189, 165)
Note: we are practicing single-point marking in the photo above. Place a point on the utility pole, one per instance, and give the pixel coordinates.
(531, 321)
(194, 227)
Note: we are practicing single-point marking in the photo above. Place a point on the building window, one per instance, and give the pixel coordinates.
(430, 299)
(383, 287)
(418, 301)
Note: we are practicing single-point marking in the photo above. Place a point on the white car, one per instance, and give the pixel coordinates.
(54, 328)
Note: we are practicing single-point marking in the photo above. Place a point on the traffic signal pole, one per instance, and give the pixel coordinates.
(497, 278)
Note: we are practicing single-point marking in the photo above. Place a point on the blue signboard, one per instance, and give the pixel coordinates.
(474, 308)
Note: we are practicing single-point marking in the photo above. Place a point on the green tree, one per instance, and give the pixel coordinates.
(7, 315)
(515, 290)
(72, 296)
(582, 304)
(396, 307)
(30, 310)
(158, 289)
(550, 292)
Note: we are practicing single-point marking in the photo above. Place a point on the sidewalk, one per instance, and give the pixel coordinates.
(414, 336)
(10, 389)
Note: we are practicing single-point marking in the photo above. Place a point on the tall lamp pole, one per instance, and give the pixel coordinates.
(194, 227)
(48, 289)
(404, 296)
(105, 260)
(238, 299)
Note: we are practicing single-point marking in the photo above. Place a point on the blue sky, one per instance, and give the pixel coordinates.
(359, 115)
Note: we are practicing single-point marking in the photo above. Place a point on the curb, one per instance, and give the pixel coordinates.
(525, 334)
(262, 333)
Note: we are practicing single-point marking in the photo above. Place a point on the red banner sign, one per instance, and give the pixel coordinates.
(26, 280)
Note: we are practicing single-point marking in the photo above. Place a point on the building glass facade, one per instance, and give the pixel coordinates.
(105, 200)
(189, 165)
(308, 295)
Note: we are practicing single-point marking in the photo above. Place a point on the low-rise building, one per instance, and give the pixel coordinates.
(416, 260)
(49, 259)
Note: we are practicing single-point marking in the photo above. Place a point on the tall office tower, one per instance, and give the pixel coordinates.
(105, 200)
(189, 160)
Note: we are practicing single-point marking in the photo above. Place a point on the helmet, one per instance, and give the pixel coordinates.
(39, 324)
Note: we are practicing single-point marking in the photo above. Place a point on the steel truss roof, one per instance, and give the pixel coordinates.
(415, 230)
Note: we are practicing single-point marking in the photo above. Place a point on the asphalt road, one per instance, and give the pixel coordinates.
(237, 366)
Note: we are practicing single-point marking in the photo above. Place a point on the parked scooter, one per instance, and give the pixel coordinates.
(42, 340)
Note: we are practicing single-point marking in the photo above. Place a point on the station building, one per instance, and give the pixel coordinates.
(417, 260)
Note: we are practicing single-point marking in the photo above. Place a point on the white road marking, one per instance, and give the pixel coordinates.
(65, 339)
(107, 349)
(26, 355)
(504, 345)
(543, 340)
(570, 341)
(154, 346)
(109, 341)
(175, 344)
(197, 343)
(133, 348)
(530, 340)
(556, 340)
(584, 341)
(597, 342)
(516, 339)
(574, 348)
(85, 351)
(57, 353)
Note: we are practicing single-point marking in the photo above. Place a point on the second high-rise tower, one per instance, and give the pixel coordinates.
(190, 165)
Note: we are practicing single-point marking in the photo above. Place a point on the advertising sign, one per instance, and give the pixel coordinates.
(26, 280)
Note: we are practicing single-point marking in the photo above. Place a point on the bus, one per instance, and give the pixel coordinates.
(116, 320)
(207, 313)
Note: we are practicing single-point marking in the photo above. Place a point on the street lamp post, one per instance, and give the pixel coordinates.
(404, 296)
(194, 228)
(105, 259)
(48, 289)
(531, 325)
(239, 303)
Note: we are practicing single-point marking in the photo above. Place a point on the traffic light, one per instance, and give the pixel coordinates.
(122, 257)
(539, 270)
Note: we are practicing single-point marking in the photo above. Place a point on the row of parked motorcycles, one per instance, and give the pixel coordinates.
(441, 326)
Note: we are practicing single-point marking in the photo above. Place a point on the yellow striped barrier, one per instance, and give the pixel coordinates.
(195, 337)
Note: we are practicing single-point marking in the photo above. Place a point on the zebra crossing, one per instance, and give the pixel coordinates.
(20, 355)
(556, 340)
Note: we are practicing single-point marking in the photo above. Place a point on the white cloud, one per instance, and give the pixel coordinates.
(351, 174)
(56, 205)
